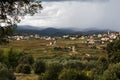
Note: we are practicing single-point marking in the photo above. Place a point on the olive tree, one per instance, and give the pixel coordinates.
(12, 12)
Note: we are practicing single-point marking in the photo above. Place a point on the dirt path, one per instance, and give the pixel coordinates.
(26, 76)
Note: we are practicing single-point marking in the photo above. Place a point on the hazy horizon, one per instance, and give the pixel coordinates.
(77, 14)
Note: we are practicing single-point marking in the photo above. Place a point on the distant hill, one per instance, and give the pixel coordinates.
(24, 30)
(94, 31)
(55, 32)
(27, 27)
(47, 31)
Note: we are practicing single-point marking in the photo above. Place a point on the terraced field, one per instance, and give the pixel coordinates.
(42, 48)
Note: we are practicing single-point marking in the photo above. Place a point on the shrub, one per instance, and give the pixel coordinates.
(74, 64)
(72, 74)
(1, 55)
(114, 57)
(26, 59)
(23, 68)
(112, 73)
(113, 50)
(19, 68)
(44, 76)
(39, 66)
(113, 46)
(26, 69)
(93, 47)
(5, 73)
(57, 48)
(13, 57)
(52, 72)
(65, 49)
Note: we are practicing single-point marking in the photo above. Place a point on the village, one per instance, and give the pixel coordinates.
(87, 39)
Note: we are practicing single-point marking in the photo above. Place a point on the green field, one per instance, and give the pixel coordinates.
(90, 60)
(49, 53)
(41, 48)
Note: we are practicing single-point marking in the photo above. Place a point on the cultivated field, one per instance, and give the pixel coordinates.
(62, 48)
(42, 48)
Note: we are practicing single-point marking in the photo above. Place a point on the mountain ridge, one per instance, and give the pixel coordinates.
(50, 31)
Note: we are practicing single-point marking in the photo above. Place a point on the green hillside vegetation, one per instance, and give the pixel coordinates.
(35, 59)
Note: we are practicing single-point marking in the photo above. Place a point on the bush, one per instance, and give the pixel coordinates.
(72, 74)
(65, 49)
(6, 74)
(93, 47)
(114, 57)
(57, 48)
(74, 64)
(52, 72)
(13, 57)
(23, 68)
(26, 69)
(113, 46)
(39, 66)
(43, 76)
(112, 73)
(19, 68)
(26, 59)
(2, 55)
(113, 50)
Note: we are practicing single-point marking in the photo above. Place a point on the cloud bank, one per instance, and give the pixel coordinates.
(74, 0)
(77, 14)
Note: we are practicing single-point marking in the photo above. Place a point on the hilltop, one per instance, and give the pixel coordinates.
(22, 30)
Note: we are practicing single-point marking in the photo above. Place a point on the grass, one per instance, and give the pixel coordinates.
(41, 48)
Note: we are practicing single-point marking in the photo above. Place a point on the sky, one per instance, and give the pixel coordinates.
(77, 14)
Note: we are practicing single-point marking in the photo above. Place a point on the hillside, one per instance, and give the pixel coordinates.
(25, 30)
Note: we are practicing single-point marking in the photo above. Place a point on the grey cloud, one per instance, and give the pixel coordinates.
(78, 15)
(77, 0)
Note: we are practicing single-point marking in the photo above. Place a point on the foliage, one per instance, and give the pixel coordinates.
(12, 12)
(43, 76)
(23, 68)
(39, 66)
(6, 74)
(1, 55)
(16, 9)
(19, 68)
(72, 74)
(13, 57)
(93, 47)
(26, 59)
(99, 67)
(65, 49)
(26, 69)
(74, 64)
(113, 49)
(52, 72)
(50, 66)
(5, 32)
(112, 73)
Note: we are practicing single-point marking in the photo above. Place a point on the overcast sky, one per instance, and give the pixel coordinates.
(77, 14)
